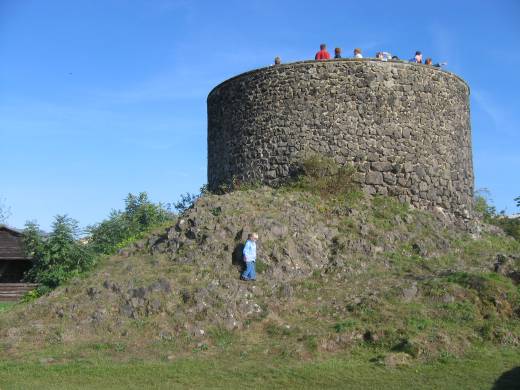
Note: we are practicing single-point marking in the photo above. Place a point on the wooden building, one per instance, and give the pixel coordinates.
(13, 261)
(13, 264)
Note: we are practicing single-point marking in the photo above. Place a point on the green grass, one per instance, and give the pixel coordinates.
(4, 306)
(478, 370)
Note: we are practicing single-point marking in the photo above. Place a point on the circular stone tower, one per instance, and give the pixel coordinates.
(405, 126)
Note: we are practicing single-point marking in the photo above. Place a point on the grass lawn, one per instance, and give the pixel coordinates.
(485, 369)
(5, 305)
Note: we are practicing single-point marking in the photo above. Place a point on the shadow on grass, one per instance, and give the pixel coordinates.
(509, 380)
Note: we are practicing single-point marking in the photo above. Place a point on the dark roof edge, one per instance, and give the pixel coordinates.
(11, 229)
(300, 63)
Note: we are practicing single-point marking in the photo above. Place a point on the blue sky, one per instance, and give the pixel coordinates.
(99, 98)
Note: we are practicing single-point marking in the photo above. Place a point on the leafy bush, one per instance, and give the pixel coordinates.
(488, 212)
(121, 227)
(324, 176)
(261, 267)
(58, 256)
(483, 206)
(185, 202)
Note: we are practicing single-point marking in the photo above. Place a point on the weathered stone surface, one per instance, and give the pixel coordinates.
(374, 178)
(405, 126)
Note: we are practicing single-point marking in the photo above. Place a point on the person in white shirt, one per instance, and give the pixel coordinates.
(357, 53)
(250, 257)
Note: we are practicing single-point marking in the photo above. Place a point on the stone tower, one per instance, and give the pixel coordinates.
(405, 126)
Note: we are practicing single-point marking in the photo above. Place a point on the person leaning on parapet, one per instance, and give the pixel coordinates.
(357, 53)
(428, 61)
(277, 60)
(323, 54)
(383, 55)
(417, 58)
(337, 52)
(250, 257)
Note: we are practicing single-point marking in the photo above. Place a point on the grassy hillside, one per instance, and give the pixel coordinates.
(343, 280)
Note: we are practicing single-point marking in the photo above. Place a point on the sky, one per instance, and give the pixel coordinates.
(101, 98)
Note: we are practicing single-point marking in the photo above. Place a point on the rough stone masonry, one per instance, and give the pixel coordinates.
(406, 127)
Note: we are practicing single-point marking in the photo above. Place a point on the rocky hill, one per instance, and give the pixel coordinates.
(335, 273)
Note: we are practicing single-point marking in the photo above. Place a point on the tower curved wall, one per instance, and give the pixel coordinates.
(406, 127)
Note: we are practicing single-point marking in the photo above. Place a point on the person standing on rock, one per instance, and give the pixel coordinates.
(250, 257)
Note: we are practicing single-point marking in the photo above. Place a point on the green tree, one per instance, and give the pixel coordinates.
(483, 205)
(58, 256)
(510, 226)
(139, 216)
(517, 200)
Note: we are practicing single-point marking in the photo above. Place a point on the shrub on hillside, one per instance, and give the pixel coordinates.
(58, 256)
(489, 214)
(323, 175)
(139, 216)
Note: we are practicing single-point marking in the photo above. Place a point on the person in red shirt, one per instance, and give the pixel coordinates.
(323, 54)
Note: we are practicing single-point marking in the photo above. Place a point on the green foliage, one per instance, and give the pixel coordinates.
(341, 327)
(322, 175)
(511, 226)
(185, 202)
(458, 312)
(5, 306)
(222, 337)
(237, 185)
(406, 346)
(385, 209)
(261, 267)
(483, 206)
(276, 330)
(57, 257)
(216, 211)
(30, 296)
(121, 227)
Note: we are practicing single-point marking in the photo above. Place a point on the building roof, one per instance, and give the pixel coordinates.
(11, 244)
(11, 229)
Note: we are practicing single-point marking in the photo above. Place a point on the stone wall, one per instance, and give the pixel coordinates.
(405, 126)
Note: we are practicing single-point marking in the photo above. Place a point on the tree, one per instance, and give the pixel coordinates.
(58, 256)
(139, 216)
(483, 204)
(517, 199)
(187, 200)
(5, 212)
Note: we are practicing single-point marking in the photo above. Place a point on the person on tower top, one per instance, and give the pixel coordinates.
(337, 52)
(438, 65)
(323, 54)
(357, 53)
(418, 58)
